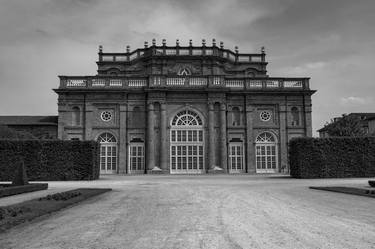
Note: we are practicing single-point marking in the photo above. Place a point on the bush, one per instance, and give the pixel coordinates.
(332, 157)
(64, 196)
(47, 160)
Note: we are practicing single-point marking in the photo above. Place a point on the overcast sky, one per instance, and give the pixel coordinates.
(331, 41)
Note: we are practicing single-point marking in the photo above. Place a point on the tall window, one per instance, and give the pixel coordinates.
(76, 117)
(236, 116)
(295, 116)
(136, 158)
(108, 153)
(236, 157)
(266, 153)
(187, 143)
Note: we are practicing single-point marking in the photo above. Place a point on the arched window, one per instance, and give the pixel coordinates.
(184, 72)
(265, 137)
(236, 116)
(187, 143)
(108, 153)
(187, 118)
(76, 116)
(295, 116)
(266, 153)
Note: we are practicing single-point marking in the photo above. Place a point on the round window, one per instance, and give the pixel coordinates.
(265, 116)
(106, 116)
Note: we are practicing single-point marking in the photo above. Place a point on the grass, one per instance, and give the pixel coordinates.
(26, 211)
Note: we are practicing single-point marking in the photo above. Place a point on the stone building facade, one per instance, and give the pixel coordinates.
(185, 109)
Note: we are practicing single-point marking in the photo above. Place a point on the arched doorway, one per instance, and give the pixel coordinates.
(187, 143)
(108, 153)
(266, 153)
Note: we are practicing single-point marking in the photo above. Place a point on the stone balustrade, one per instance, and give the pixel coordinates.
(216, 81)
(182, 51)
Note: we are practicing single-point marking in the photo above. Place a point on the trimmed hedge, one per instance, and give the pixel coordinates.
(332, 157)
(48, 160)
(8, 189)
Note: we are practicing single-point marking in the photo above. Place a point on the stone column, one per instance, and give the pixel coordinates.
(122, 151)
(223, 137)
(250, 143)
(61, 121)
(211, 136)
(307, 121)
(163, 137)
(88, 121)
(283, 145)
(150, 137)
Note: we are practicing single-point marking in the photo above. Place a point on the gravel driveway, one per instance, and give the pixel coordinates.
(207, 211)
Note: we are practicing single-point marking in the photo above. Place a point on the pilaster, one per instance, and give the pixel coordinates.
(250, 143)
(211, 136)
(223, 137)
(150, 157)
(88, 117)
(283, 146)
(163, 137)
(122, 139)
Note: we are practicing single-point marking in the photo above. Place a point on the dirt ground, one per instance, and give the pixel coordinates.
(207, 211)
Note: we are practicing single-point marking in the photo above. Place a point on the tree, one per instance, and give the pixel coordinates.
(346, 126)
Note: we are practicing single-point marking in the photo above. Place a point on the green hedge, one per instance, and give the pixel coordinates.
(332, 157)
(47, 160)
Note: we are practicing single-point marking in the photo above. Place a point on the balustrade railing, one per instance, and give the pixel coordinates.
(182, 51)
(188, 81)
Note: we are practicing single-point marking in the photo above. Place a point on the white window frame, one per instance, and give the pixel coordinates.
(108, 145)
(268, 145)
(233, 164)
(187, 144)
(139, 159)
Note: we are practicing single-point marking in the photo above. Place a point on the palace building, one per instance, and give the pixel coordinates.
(185, 109)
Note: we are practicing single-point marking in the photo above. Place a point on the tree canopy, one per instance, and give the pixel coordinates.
(346, 126)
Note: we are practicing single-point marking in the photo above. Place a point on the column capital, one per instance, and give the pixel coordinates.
(210, 105)
(223, 106)
(163, 106)
(150, 106)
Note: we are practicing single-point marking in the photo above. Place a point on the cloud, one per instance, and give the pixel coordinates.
(330, 41)
(352, 100)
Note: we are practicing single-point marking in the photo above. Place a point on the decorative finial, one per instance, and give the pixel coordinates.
(190, 42)
(221, 45)
(153, 42)
(203, 42)
(127, 49)
(164, 42)
(236, 49)
(263, 49)
(213, 42)
(146, 44)
(100, 48)
(177, 43)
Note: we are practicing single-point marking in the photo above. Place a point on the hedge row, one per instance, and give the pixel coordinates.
(47, 160)
(332, 157)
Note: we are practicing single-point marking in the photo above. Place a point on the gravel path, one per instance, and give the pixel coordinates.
(205, 212)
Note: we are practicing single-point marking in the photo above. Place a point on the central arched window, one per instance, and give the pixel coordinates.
(187, 143)
(108, 153)
(266, 153)
(184, 71)
(187, 118)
